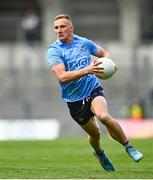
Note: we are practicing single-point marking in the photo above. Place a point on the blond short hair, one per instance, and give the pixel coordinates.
(62, 16)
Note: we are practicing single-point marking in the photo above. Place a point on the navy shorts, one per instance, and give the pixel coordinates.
(81, 110)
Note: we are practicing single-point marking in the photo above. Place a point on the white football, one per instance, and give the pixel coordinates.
(109, 68)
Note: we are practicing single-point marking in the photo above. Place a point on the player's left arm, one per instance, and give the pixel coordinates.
(101, 52)
(96, 50)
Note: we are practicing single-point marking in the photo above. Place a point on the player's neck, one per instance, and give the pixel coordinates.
(69, 40)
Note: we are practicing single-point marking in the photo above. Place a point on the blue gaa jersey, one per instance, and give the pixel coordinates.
(75, 56)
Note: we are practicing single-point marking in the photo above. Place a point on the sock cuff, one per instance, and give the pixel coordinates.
(126, 143)
(100, 153)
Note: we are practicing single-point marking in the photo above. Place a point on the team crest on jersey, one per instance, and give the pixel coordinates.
(83, 48)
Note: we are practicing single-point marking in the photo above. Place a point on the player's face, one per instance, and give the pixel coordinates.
(63, 29)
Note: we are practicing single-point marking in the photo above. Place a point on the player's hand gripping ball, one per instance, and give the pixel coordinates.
(109, 68)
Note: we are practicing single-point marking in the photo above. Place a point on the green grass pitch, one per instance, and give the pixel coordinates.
(71, 158)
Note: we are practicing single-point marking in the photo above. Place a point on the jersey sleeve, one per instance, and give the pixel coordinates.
(53, 57)
(92, 46)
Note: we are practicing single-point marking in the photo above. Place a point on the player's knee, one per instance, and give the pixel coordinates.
(104, 118)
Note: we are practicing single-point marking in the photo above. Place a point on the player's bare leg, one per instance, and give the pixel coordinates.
(93, 131)
(99, 107)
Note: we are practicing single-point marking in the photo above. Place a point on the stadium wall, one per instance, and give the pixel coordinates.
(26, 79)
(28, 89)
(49, 129)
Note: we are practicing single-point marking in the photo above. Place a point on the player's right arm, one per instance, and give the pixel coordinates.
(58, 68)
(65, 76)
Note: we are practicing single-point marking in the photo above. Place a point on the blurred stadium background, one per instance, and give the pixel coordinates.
(28, 91)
